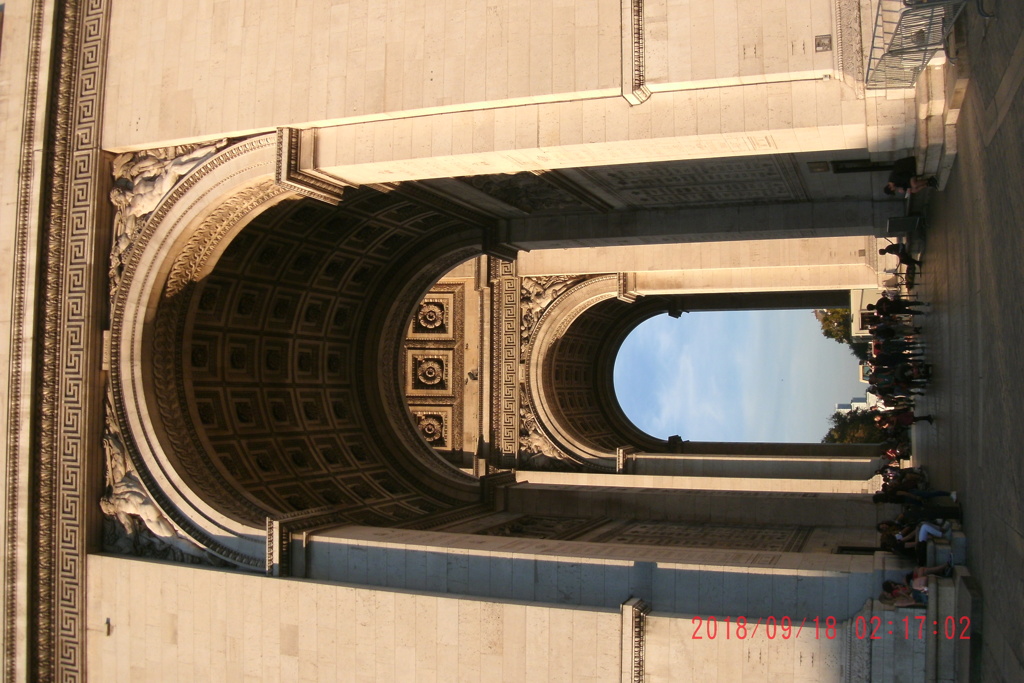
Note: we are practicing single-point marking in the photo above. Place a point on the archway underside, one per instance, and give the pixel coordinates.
(287, 360)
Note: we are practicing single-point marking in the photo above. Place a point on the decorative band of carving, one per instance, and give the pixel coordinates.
(505, 361)
(634, 88)
(27, 170)
(70, 399)
(634, 636)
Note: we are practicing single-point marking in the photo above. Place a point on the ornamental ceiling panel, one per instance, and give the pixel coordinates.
(274, 349)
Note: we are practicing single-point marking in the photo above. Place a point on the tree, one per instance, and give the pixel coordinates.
(853, 426)
(837, 324)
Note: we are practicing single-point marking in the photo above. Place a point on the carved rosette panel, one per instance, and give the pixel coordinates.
(433, 318)
(435, 356)
(429, 373)
(434, 424)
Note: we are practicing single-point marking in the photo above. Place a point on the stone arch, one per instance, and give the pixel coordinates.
(570, 408)
(255, 337)
(570, 383)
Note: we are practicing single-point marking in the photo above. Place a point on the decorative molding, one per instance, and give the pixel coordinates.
(21, 347)
(280, 531)
(765, 178)
(71, 352)
(634, 87)
(497, 247)
(446, 518)
(531, 192)
(506, 344)
(623, 459)
(549, 527)
(634, 636)
(491, 484)
(566, 183)
(627, 288)
(294, 172)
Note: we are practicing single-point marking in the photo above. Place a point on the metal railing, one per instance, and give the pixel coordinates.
(906, 37)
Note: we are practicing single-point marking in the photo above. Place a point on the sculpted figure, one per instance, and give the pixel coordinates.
(127, 500)
(141, 180)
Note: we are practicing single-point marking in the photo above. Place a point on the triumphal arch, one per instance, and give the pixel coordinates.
(313, 317)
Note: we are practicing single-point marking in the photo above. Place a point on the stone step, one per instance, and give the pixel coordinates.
(909, 653)
(932, 656)
(894, 657)
(968, 612)
(945, 647)
(880, 664)
(939, 549)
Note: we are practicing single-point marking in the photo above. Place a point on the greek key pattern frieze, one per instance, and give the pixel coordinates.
(506, 360)
(72, 347)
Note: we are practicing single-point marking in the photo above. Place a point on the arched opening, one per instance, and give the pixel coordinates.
(735, 375)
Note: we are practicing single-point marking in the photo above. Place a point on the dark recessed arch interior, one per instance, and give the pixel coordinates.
(282, 350)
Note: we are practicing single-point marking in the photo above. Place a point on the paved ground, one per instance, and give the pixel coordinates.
(974, 275)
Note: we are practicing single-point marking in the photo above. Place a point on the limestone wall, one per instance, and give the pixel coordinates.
(149, 621)
(492, 80)
(674, 580)
(199, 67)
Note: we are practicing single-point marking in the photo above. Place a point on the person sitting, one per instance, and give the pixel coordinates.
(904, 178)
(913, 593)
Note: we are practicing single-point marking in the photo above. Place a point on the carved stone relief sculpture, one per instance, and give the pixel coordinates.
(537, 293)
(135, 525)
(536, 452)
(141, 180)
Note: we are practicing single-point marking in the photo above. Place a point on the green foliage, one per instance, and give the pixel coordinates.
(837, 324)
(855, 426)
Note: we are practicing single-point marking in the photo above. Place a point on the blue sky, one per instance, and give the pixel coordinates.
(734, 376)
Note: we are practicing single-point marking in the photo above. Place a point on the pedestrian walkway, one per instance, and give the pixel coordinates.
(973, 274)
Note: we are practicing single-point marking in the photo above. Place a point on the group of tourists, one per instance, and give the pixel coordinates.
(898, 373)
(927, 514)
(898, 370)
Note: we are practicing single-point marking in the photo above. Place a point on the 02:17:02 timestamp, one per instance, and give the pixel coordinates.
(950, 628)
